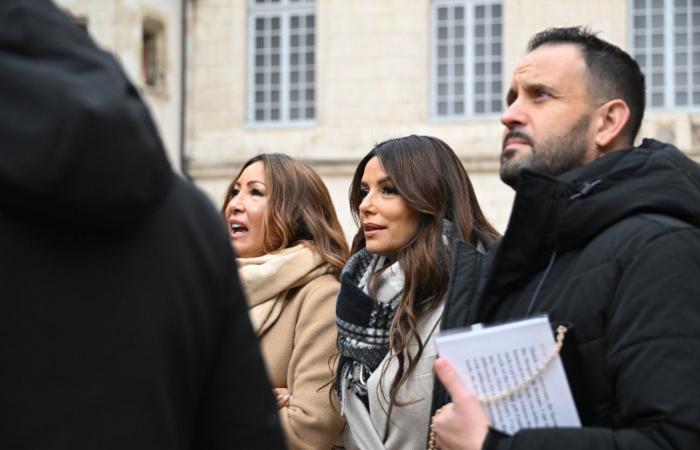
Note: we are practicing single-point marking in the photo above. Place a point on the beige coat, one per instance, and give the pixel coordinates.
(409, 425)
(298, 348)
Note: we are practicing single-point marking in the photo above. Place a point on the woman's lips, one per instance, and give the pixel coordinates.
(238, 230)
(372, 229)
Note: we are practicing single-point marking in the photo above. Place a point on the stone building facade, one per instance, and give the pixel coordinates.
(325, 80)
(146, 36)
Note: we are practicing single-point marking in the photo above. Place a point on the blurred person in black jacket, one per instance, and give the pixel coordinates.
(122, 322)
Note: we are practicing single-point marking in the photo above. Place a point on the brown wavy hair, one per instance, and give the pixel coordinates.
(299, 209)
(429, 176)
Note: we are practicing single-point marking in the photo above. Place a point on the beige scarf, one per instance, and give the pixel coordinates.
(267, 279)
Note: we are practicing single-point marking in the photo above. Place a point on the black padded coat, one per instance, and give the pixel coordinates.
(612, 250)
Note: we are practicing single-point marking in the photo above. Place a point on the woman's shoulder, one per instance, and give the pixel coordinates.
(315, 301)
(320, 287)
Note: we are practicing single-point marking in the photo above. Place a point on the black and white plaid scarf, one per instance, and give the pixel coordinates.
(363, 322)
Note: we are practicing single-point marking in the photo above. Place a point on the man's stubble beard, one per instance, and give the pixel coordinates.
(557, 155)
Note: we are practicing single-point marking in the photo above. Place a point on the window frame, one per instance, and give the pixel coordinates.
(284, 10)
(669, 54)
(468, 78)
(154, 27)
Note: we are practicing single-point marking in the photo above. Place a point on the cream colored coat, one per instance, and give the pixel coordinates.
(409, 426)
(299, 343)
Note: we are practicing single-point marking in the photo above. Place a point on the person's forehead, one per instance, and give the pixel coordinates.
(552, 63)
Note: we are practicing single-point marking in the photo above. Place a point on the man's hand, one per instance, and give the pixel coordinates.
(463, 424)
(282, 396)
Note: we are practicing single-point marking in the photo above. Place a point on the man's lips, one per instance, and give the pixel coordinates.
(516, 139)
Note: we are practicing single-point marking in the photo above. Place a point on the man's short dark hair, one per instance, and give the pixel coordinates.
(612, 73)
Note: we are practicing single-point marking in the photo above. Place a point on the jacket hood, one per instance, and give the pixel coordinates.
(552, 215)
(79, 146)
(652, 178)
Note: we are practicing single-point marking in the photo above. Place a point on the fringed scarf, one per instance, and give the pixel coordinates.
(363, 322)
(268, 279)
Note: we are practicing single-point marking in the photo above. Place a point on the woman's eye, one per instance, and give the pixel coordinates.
(389, 190)
(363, 193)
(234, 192)
(257, 192)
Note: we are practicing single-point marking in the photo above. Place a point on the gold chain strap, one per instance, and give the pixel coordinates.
(561, 331)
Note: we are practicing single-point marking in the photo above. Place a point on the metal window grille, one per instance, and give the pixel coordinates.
(467, 58)
(282, 62)
(665, 41)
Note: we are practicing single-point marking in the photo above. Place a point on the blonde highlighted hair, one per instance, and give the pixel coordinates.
(299, 209)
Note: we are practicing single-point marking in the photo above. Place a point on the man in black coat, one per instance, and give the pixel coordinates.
(122, 323)
(603, 237)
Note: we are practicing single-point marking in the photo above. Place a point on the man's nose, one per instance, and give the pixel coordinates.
(514, 116)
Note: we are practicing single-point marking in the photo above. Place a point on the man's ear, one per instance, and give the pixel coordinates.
(611, 118)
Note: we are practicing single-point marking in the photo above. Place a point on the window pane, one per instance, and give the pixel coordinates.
(681, 59)
(465, 73)
(274, 73)
(681, 79)
(681, 99)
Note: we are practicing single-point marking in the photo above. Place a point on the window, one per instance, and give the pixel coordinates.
(153, 55)
(467, 58)
(665, 41)
(281, 65)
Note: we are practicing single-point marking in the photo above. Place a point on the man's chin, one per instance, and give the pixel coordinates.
(510, 171)
(511, 179)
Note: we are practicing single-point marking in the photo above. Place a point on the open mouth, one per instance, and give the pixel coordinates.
(238, 230)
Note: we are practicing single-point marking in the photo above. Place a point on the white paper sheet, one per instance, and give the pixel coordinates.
(491, 360)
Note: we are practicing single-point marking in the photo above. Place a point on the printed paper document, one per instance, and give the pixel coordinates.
(492, 360)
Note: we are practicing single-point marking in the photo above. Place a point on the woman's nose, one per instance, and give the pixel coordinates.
(236, 204)
(366, 205)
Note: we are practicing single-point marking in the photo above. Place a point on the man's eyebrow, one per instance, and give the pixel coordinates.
(511, 96)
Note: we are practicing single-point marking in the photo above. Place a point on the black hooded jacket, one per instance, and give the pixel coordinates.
(122, 323)
(612, 250)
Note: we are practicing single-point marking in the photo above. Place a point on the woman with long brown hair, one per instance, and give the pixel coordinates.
(290, 249)
(412, 198)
